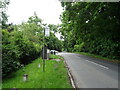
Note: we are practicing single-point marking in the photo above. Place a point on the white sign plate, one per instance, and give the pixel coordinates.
(47, 31)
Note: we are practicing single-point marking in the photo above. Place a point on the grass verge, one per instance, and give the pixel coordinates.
(55, 76)
(53, 56)
(97, 56)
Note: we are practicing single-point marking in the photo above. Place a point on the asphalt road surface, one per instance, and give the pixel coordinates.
(91, 72)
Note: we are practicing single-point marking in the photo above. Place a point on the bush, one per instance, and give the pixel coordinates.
(10, 55)
(16, 50)
(104, 47)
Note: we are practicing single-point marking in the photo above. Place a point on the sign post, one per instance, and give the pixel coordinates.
(46, 34)
(47, 31)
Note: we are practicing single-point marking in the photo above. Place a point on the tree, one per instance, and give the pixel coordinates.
(94, 24)
(3, 15)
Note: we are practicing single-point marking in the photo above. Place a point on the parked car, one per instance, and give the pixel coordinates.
(53, 51)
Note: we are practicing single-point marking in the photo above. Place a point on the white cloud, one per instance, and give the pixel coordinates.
(48, 10)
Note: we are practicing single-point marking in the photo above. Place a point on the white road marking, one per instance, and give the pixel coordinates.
(97, 64)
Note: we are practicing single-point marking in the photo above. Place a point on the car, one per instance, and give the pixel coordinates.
(53, 51)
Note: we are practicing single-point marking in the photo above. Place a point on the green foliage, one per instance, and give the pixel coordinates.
(20, 46)
(16, 50)
(3, 15)
(35, 19)
(23, 43)
(79, 47)
(10, 54)
(94, 24)
(53, 43)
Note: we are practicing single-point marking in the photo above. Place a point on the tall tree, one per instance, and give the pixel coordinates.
(94, 24)
(3, 15)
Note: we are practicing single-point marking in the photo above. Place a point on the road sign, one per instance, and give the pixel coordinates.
(47, 31)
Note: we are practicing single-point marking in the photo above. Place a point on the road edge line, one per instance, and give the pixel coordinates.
(70, 76)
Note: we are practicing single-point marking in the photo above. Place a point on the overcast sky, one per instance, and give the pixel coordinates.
(48, 10)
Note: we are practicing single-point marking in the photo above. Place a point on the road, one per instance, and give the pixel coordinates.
(91, 72)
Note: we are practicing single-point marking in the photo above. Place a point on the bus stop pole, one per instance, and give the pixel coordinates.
(44, 51)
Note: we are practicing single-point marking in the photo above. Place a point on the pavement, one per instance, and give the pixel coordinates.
(91, 72)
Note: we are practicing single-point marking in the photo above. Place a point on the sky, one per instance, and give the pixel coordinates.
(48, 10)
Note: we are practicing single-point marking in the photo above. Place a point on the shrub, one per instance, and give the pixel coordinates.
(10, 55)
(16, 50)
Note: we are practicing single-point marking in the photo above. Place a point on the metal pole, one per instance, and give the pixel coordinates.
(43, 52)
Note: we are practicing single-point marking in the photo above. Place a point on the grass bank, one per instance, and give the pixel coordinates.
(55, 76)
(98, 56)
(53, 56)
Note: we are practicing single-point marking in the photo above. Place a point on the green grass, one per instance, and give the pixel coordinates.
(97, 56)
(53, 56)
(55, 76)
(0, 85)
